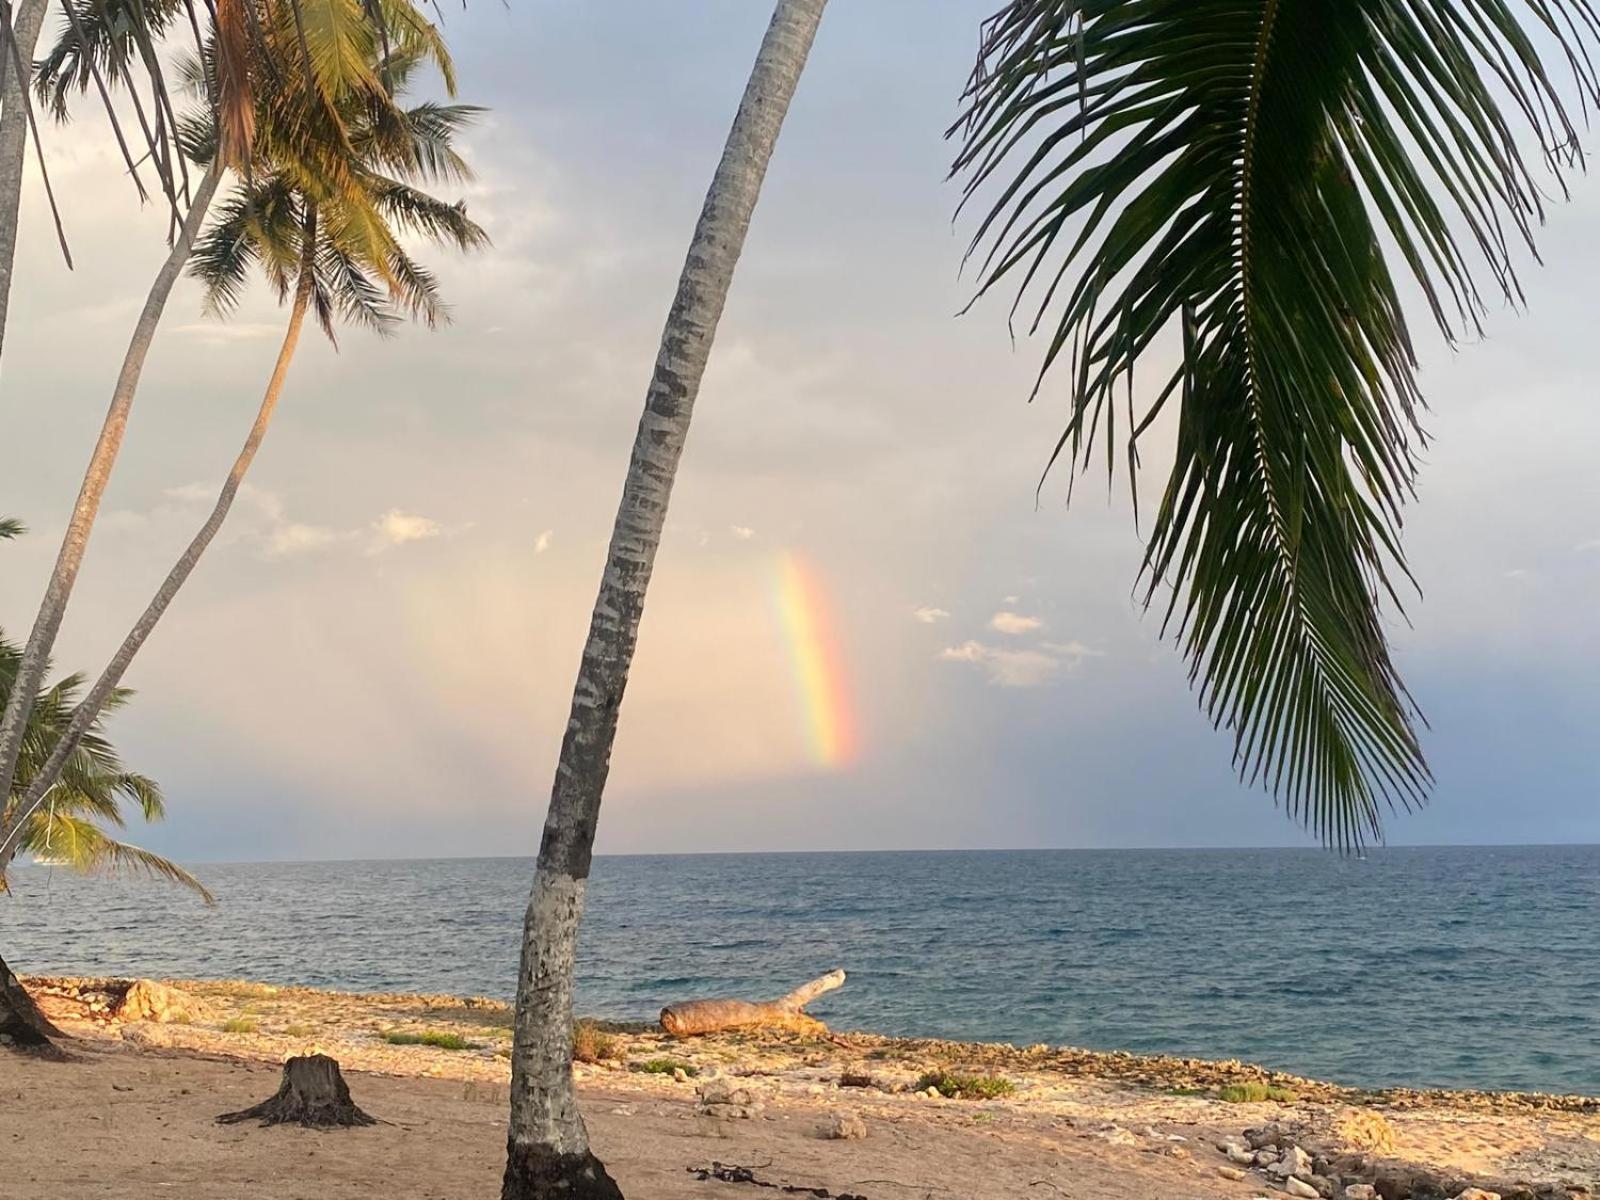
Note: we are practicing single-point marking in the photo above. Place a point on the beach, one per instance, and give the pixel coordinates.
(133, 1114)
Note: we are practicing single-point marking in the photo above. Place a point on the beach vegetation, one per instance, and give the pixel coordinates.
(439, 1039)
(298, 1031)
(592, 1044)
(1255, 1093)
(955, 1086)
(665, 1066)
(240, 1025)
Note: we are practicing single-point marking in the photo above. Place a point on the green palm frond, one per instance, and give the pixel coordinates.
(427, 216)
(85, 848)
(1225, 174)
(10, 527)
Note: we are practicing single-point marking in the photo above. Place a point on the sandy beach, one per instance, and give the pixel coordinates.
(133, 1114)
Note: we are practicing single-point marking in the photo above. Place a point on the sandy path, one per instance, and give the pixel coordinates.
(130, 1124)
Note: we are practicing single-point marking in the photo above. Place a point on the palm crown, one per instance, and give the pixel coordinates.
(337, 233)
(94, 785)
(1233, 176)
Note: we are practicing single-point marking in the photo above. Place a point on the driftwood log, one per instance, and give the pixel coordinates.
(709, 1016)
(313, 1094)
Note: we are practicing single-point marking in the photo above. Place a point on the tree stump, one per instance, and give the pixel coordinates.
(708, 1016)
(22, 1025)
(313, 1094)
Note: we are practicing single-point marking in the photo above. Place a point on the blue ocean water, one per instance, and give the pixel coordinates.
(1462, 967)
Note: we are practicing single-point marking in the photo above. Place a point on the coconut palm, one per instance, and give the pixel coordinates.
(1235, 179)
(328, 243)
(548, 1151)
(314, 64)
(20, 32)
(74, 828)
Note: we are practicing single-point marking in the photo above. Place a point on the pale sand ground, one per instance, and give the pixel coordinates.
(133, 1116)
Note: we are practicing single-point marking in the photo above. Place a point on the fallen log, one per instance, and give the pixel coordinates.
(709, 1016)
(313, 1094)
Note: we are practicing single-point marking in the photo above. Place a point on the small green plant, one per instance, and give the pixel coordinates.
(436, 1038)
(239, 1025)
(591, 1044)
(666, 1066)
(298, 1031)
(966, 1087)
(1255, 1093)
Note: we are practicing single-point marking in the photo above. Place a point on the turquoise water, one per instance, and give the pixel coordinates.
(1466, 967)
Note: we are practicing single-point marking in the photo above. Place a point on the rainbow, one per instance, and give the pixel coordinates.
(806, 616)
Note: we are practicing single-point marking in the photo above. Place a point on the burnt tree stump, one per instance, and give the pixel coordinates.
(313, 1094)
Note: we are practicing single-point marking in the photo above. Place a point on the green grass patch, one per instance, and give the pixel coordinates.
(436, 1038)
(298, 1031)
(665, 1066)
(966, 1087)
(1255, 1093)
(239, 1025)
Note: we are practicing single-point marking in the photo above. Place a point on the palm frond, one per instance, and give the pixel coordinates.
(1224, 174)
(10, 527)
(88, 850)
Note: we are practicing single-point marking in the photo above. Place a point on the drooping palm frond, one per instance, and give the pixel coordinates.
(1225, 173)
(10, 527)
(88, 795)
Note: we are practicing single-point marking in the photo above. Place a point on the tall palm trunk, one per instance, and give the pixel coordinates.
(88, 709)
(547, 1150)
(27, 19)
(35, 656)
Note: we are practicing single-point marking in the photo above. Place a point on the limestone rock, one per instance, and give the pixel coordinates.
(1473, 1193)
(1235, 1153)
(720, 1098)
(147, 1000)
(1295, 1164)
(849, 1127)
(1298, 1187)
(1361, 1191)
(1233, 1173)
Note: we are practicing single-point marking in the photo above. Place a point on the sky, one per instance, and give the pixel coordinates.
(376, 657)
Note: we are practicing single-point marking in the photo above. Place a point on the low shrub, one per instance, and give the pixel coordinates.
(437, 1038)
(1255, 1093)
(665, 1066)
(591, 1044)
(966, 1087)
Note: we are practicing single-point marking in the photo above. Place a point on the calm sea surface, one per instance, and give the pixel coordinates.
(1468, 967)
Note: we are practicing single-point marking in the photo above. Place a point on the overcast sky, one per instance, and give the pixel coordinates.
(376, 658)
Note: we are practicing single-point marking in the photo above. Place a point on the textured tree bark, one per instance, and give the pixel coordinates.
(36, 655)
(547, 1147)
(27, 19)
(312, 1093)
(90, 706)
(708, 1016)
(22, 1025)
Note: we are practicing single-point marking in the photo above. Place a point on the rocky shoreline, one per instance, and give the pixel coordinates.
(1264, 1130)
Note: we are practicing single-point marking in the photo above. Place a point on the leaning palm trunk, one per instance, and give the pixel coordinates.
(547, 1149)
(88, 710)
(27, 21)
(22, 1025)
(36, 655)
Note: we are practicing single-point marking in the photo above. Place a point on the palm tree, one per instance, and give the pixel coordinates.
(72, 828)
(21, 33)
(547, 1150)
(315, 62)
(330, 244)
(1226, 174)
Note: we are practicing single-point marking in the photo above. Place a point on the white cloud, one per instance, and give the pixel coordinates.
(190, 493)
(221, 333)
(1591, 544)
(542, 542)
(1014, 623)
(396, 528)
(1013, 599)
(743, 532)
(1006, 668)
(1074, 651)
(929, 616)
(294, 538)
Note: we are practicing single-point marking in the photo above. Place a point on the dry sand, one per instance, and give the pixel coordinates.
(133, 1116)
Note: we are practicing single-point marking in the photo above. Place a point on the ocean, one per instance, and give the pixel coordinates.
(1455, 967)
